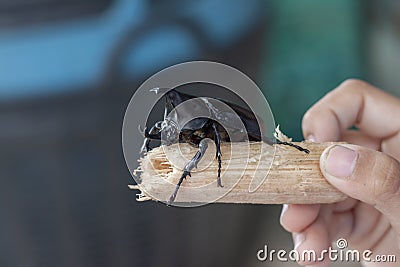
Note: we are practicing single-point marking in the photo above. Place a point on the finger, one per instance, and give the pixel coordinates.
(352, 103)
(341, 225)
(314, 238)
(369, 226)
(372, 231)
(295, 218)
(345, 205)
(361, 139)
(391, 146)
(367, 175)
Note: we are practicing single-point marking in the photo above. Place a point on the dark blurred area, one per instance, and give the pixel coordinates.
(67, 72)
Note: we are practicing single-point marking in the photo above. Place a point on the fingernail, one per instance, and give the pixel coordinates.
(299, 238)
(311, 138)
(341, 161)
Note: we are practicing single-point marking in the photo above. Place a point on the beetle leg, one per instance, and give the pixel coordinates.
(295, 146)
(191, 164)
(218, 153)
(148, 136)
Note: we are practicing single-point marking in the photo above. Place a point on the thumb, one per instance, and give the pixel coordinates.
(367, 175)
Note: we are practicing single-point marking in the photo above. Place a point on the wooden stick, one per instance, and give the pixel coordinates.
(255, 173)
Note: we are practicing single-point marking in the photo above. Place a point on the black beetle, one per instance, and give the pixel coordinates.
(196, 131)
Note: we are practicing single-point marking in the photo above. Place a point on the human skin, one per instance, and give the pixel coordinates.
(370, 217)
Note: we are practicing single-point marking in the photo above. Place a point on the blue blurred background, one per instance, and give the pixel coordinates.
(67, 72)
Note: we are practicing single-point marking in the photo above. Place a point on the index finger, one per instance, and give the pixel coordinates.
(357, 103)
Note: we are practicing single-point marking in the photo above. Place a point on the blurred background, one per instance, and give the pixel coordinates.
(67, 71)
